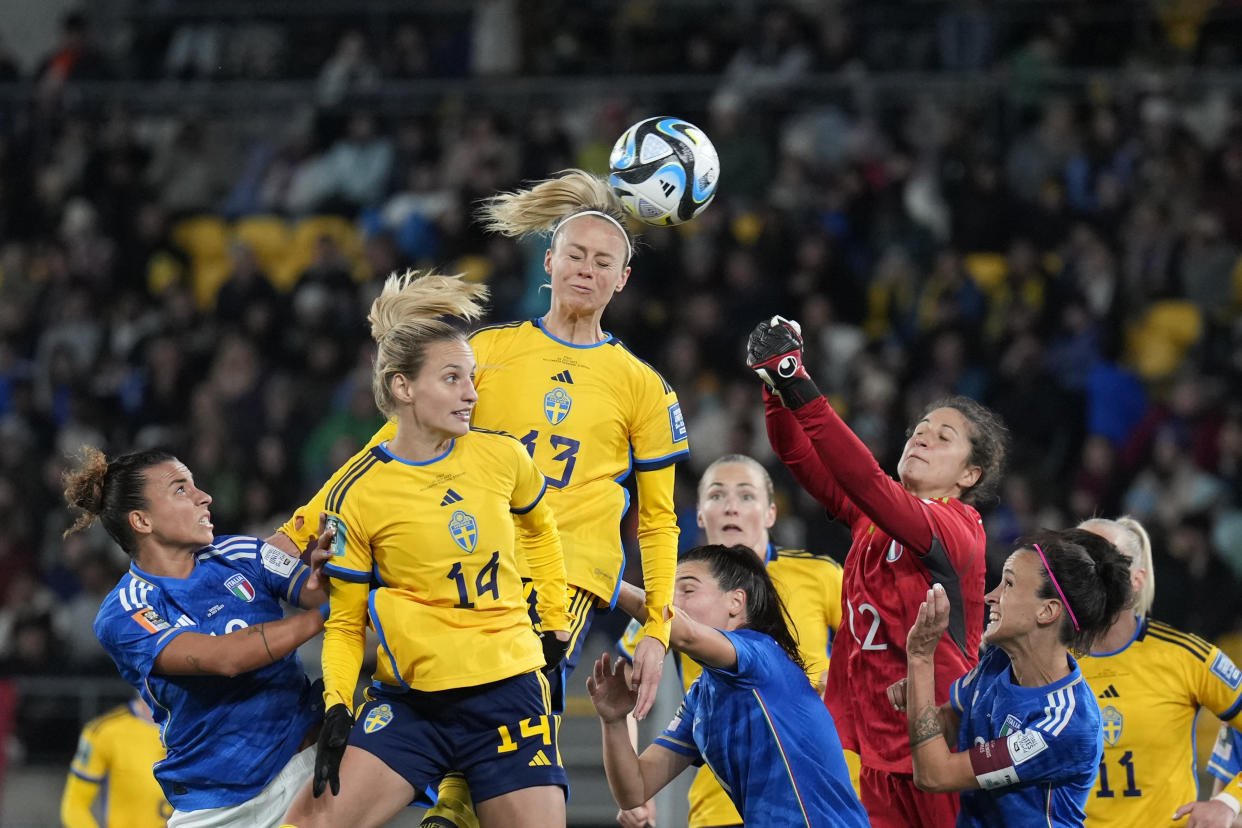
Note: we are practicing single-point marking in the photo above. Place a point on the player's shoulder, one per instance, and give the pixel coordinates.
(490, 438)
(1157, 635)
(108, 720)
(639, 368)
(499, 330)
(230, 550)
(803, 558)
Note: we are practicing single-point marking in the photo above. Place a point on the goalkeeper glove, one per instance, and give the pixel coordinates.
(553, 651)
(774, 352)
(333, 737)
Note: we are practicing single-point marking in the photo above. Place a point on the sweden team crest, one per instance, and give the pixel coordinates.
(1110, 723)
(556, 405)
(239, 586)
(464, 529)
(377, 718)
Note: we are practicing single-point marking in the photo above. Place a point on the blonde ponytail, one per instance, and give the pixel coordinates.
(548, 203)
(414, 310)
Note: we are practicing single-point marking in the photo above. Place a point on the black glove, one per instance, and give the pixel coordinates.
(774, 351)
(333, 737)
(553, 651)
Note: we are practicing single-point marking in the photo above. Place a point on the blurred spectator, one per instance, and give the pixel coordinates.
(74, 58)
(349, 72)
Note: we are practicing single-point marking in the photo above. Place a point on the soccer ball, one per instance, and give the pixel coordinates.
(664, 170)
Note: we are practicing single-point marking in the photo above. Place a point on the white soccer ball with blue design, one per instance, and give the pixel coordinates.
(664, 170)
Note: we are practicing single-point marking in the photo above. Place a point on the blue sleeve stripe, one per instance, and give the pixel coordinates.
(383, 639)
(1220, 771)
(85, 777)
(676, 745)
(343, 574)
(294, 592)
(661, 462)
(1233, 710)
(534, 502)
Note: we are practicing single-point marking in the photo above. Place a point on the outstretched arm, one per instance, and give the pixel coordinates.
(198, 654)
(935, 767)
(633, 779)
(706, 645)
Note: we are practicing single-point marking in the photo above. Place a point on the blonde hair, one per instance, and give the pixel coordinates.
(414, 310)
(548, 204)
(1133, 542)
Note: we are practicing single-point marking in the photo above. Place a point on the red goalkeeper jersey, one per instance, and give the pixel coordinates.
(901, 545)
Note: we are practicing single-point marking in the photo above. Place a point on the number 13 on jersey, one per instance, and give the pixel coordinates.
(567, 453)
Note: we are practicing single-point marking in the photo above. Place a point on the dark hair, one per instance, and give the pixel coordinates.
(989, 442)
(1094, 577)
(738, 567)
(110, 490)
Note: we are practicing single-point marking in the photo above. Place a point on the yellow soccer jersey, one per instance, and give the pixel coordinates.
(588, 414)
(436, 541)
(810, 587)
(1149, 692)
(115, 754)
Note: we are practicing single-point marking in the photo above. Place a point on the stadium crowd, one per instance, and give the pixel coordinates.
(1069, 253)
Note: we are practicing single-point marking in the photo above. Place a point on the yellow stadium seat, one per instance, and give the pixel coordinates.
(268, 236)
(202, 237)
(987, 269)
(1177, 319)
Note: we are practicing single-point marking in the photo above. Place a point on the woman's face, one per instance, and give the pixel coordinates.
(443, 395)
(587, 264)
(1014, 605)
(934, 460)
(734, 508)
(177, 512)
(697, 592)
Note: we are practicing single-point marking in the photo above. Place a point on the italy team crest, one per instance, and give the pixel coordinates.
(464, 529)
(1110, 723)
(377, 718)
(239, 586)
(556, 405)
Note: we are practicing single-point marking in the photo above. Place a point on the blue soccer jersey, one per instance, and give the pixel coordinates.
(226, 737)
(768, 738)
(1047, 748)
(1226, 761)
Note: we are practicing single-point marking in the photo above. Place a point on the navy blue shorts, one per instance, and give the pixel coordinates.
(583, 606)
(501, 736)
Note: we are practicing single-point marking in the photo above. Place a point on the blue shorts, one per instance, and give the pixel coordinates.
(501, 736)
(583, 607)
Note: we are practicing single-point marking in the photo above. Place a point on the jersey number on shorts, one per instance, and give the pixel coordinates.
(527, 728)
(1127, 762)
(868, 643)
(485, 581)
(568, 454)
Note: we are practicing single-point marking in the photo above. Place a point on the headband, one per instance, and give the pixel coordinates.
(629, 249)
(1055, 584)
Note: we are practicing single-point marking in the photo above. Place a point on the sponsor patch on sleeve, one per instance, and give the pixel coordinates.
(1227, 671)
(278, 561)
(338, 540)
(150, 620)
(1025, 745)
(676, 423)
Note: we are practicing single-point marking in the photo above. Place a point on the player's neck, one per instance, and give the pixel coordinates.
(1034, 665)
(418, 445)
(576, 329)
(166, 562)
(1119, 634)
